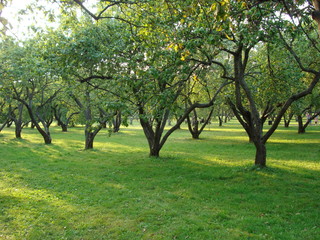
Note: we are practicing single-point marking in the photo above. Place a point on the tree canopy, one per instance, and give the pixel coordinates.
(159, 59)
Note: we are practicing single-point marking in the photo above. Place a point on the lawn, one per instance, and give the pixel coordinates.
(198, 189)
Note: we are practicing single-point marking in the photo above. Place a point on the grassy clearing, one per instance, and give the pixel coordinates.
(203, 189)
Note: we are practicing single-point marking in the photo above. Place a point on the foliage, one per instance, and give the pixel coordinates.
(165, 58)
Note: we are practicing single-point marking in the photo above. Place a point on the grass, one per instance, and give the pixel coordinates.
(198, 189)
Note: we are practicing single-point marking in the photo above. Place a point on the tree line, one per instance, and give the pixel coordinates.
(164, 60)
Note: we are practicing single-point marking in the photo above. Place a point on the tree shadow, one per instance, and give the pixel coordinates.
(196, 190)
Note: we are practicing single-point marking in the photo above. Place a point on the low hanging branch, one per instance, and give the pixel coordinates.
(88, 79)
(191, 108)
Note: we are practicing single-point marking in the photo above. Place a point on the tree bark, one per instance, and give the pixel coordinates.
(220, 121)
(117, 122)
(3, 125)
(18, 129)
(45, 133)
(301, 127)
(287, 121)
(47, 138)
(261, 154)
(89, 140)
(155, 151)
(58, 117)
(193, 126)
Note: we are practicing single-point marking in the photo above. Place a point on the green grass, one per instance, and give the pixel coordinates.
(198, 189)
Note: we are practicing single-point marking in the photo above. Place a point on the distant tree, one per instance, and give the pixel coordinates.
(84, 58)
(151, 70)
(28, 80)
(200, 87)
(239, 30)
(309, 110)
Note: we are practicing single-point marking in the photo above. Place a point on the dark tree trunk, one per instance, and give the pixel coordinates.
(220, 121)
(47, 138)
(48, 122)
(301, 127)
(89, 140)
(90, 135)
(153, 135)
(19, 124)
(246, 124)
(226, 118)
(64, 127)
(117, 122)
(287, 123)
(287, 120)
(193, 126)
(45, 133)
(195, 135)
(153, 141)
(58, 117)
(155, 151)
(177, 119)
(261, 154)
(3, 126)
(18, 129)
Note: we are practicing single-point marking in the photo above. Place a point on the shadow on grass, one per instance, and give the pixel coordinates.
(205, 190)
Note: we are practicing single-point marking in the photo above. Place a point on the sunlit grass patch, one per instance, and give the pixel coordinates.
(197, 189)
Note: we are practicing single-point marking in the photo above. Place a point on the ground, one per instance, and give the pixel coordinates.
(197, 189)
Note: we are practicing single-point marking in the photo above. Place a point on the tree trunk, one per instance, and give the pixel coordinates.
(58, 117)
(226, 118)
(90, 135)
(3, 125)
(287, 121)
(117, 122)
(47, 138)
(220, 121)
(193, 127)
(153, 136)
(195, 135)
(89, 140)
(155, 150)
(261, 154)
(301, 127)
(64, 127)
(154, 143)
(18, 129)
(18, 121)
